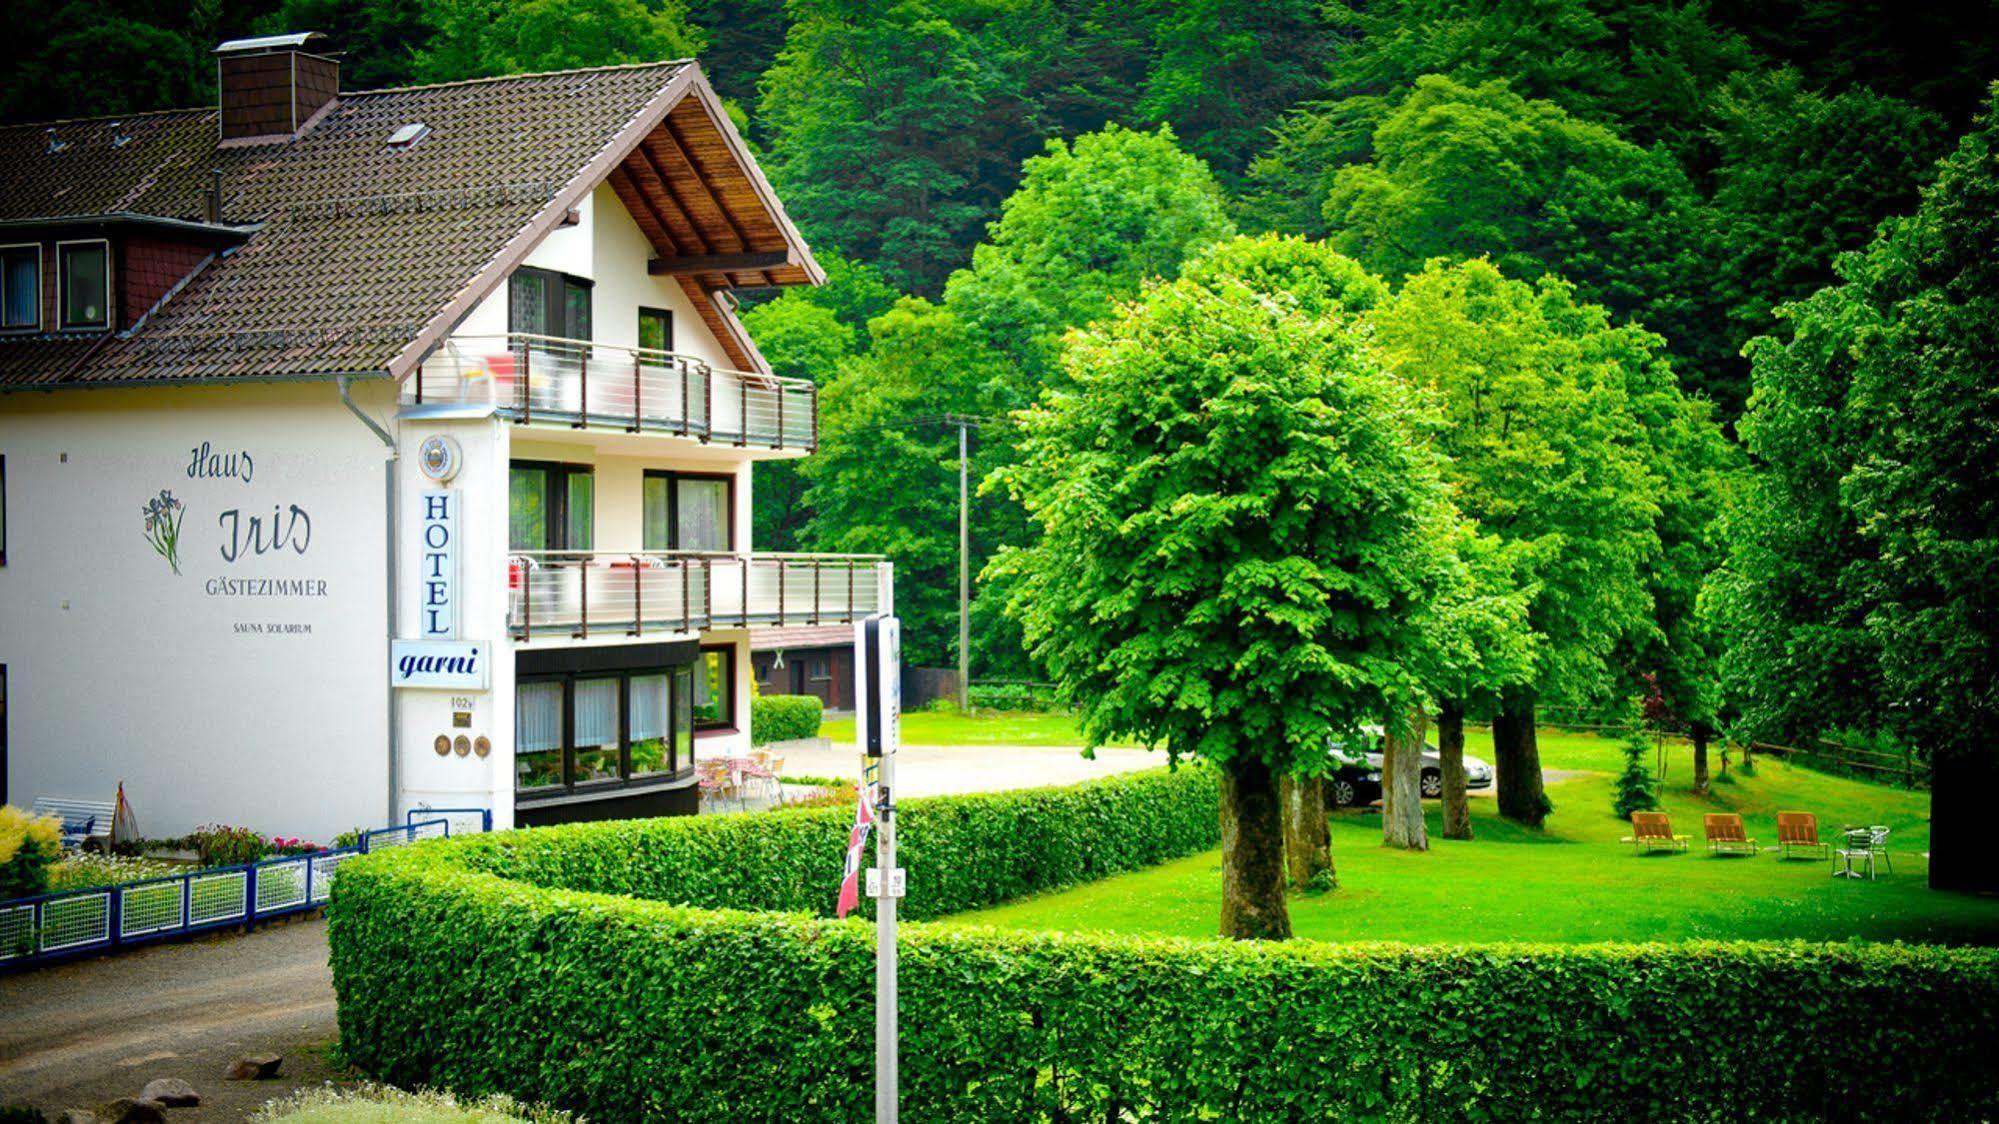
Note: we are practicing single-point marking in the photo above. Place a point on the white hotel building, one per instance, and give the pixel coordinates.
(369, 452)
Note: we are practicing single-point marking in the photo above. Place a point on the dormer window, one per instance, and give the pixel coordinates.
(83, 284)
(20, 288)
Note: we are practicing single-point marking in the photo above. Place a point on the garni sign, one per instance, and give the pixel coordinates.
(438, 557)
(451, 665)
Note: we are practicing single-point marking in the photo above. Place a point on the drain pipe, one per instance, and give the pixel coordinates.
(389, 505)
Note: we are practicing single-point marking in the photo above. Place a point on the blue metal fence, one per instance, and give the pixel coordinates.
(103, 918)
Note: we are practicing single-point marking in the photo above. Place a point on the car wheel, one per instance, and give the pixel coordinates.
(1342, 793)
(1433, 785)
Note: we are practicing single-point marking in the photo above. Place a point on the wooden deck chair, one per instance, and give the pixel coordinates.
(1725, 835)
(1652, 831)
(1799, 832)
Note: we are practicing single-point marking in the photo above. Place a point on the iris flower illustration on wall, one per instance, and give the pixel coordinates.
(163, 515)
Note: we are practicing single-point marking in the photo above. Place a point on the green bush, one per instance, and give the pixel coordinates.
(553, 966)
(30, 845)
(783, 718)
(1014, 697)
(222, 845)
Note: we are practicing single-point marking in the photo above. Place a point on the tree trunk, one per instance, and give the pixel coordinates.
(1252, 854)
(1521, 796)
(1402, 786)
(1451, 751)
(1308, 841)
(1700, 733)
(1964, 851)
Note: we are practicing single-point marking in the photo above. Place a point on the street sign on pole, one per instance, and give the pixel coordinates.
(878, 727)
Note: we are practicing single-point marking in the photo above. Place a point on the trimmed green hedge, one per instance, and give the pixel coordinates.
(783, 718)
(487, 964)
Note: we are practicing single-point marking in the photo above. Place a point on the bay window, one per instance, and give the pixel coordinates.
(602, 730)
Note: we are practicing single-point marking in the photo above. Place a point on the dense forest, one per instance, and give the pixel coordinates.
(1764, 215)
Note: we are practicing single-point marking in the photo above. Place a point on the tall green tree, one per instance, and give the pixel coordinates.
(1222, 72)
(895, 132)
(1876, 421)
(1463, 171)
(800, 340)
(477, 38)
(1241, 520)
(1089, 222)
(1539, 435)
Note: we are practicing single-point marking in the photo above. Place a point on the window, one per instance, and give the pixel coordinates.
(20, 288)
(83, 282)
(715, 689)
(602, 730)
(550, 506)
(656, 329)
(542, 302)
(819, 668)
(689, 511)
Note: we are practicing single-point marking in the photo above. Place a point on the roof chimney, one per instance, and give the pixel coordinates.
(273, 88)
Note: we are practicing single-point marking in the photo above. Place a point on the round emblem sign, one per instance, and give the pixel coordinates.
(438, 457)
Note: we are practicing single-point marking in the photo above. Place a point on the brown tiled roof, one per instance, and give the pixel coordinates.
(801, 636)
(361, 254)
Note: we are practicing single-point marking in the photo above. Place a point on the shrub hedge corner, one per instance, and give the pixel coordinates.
(592, 967)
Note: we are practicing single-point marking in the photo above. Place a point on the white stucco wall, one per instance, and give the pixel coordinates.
(266, 711)
(606, 247)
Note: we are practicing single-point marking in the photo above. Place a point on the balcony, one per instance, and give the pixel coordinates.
(543, 380)
(580, 594)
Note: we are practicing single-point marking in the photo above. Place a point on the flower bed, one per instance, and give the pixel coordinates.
(590, 967)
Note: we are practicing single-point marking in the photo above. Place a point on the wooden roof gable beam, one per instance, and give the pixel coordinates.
(748, 262)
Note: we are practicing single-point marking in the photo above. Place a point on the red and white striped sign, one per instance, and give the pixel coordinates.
(864, 821)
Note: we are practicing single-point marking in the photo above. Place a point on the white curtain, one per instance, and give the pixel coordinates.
(648, 706)
(596, 712)
(538, 716)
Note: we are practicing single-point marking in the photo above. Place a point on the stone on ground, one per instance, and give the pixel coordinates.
(171, 1092)
(255, 1067)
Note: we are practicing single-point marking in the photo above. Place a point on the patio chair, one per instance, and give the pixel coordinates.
(1862, 845)
(757, 770)
(1799, 832)
(1725, 835)
(1652, 831)
(717, 782)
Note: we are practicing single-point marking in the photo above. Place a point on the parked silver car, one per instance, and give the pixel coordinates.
(1356, 778)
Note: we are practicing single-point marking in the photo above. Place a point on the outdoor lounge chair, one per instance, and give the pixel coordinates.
(1652, 831)
(1799, 832)
(1725, 836)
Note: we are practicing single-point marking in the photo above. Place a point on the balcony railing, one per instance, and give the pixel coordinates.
(545, 380)
(580, 594)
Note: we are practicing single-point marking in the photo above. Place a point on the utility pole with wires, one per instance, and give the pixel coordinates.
(964, 424)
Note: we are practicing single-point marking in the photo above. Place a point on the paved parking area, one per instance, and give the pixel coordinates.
(933, 770)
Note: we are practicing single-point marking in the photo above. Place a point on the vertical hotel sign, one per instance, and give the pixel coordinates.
(439, 604)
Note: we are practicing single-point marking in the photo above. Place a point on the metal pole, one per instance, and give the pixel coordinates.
(886, 1077)
(964, 580)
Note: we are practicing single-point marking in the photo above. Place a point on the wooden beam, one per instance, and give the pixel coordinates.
(719, 263)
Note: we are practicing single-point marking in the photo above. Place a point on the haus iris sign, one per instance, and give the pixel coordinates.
(438, 558)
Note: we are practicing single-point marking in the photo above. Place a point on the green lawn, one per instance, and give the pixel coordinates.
(926, 727)
(1574, 881)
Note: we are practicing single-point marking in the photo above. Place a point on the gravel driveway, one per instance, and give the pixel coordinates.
(78, 1035)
